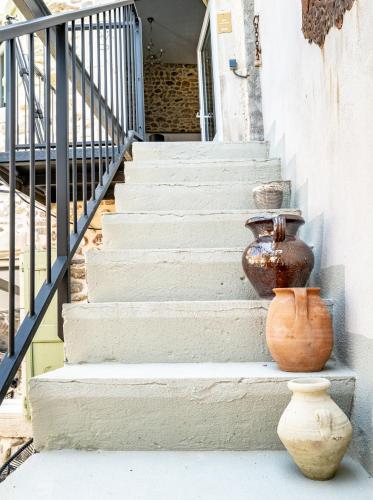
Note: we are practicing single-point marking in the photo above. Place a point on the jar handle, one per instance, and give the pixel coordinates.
(301, 306)
(302, 325)
(279, 228)
(325, 421)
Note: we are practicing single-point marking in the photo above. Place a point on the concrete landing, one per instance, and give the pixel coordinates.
(79, 475)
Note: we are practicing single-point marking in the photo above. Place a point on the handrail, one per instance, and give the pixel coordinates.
(41, 23)
(110, 54)
(82, 83)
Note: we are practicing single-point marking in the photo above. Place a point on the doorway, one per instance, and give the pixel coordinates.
(207, 112)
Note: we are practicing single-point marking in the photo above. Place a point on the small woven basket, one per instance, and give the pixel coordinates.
(269, 195)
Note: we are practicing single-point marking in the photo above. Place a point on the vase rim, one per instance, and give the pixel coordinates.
(308, 288)
(309, 384)
(269, 218)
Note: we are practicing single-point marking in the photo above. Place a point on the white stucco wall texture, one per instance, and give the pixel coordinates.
(318, 116)
(237, 100)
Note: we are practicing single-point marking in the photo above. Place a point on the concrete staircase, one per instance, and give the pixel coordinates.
(170, 352)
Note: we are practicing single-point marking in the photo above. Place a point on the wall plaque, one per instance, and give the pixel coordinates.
(321, 15)
(224, 22)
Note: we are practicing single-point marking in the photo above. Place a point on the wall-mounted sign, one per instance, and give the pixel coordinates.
(224, 22)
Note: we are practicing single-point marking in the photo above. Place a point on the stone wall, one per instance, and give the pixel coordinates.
(171, 98)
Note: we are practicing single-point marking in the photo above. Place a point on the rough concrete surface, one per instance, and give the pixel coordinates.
(199, 150)
(180, 229)
(168, 332)
(187, 196)
(157, 275)
(182, 406)
(203, 170)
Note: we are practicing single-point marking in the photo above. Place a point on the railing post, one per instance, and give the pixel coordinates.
(11, 82)
(140, 111)
(62, 166)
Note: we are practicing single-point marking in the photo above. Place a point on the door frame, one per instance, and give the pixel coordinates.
(209, 21)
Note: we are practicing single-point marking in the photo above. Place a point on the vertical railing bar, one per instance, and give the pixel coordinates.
(107, 161)
(11, 81)
(128, 47)
(116, 78)
(32, 173)
(62, 165)
(74, 129)
(17, 106)
(84, 131)
(91, 104)
(140, 118)
(111, 87)
(47, 125)
(133, 71)
(100, 169)
(2, 96)
(53, 139)
(26, 116)
(122, 68)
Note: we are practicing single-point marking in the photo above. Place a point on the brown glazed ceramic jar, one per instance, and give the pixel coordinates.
(299, 330)
(277, 258)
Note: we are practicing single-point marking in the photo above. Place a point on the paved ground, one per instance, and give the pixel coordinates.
(73, 475)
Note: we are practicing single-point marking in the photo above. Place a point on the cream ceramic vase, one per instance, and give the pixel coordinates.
(314, 430)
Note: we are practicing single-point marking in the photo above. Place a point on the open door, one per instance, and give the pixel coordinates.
(206, 82)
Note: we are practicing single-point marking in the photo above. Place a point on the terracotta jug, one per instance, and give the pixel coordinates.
(313, 429)
(277, 258)
(299, 330)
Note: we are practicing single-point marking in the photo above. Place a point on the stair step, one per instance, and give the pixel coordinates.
(197, 406)
(178, 475)
(187, 196)
(180, 229)
(199, 150)
(166, 332)
(167, 275)
(203, 171)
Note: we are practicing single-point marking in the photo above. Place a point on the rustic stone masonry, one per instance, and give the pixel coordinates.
(171, 98)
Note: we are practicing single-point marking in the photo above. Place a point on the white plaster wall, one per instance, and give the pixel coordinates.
(318, 115)
(231, 96)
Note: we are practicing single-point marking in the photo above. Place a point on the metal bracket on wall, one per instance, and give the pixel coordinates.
(233, 65)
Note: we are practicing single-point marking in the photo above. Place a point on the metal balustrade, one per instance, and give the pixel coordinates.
(84, 90)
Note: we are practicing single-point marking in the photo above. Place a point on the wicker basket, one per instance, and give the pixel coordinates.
(270, 195)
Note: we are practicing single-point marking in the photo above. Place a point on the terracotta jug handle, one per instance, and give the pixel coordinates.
(301, 306)
(325, 421)
(279, 228)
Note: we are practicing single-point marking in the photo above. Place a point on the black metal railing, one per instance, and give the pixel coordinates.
(93, 60)
(23, 453)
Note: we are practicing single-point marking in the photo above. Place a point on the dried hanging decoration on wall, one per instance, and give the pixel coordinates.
(321, 15)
